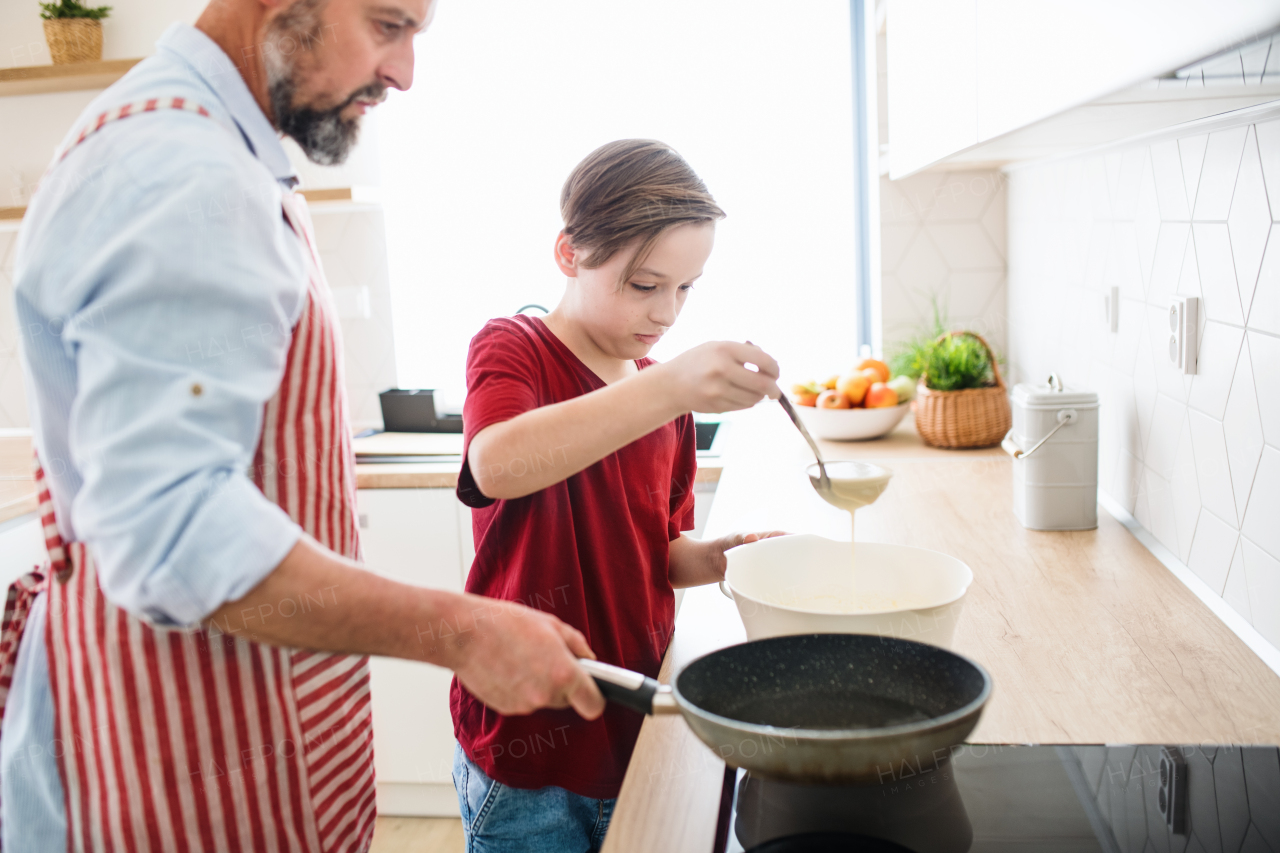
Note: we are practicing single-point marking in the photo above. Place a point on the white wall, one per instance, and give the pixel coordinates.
(509, 96)
(1196, 459)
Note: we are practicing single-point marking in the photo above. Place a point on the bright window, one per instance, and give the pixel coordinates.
(509, 95)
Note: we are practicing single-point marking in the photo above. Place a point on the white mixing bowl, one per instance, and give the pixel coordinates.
(852, 424)
(791, 584)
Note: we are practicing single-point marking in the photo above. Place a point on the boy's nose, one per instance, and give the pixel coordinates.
(665, 312)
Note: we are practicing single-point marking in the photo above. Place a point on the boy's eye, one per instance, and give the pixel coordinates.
(388, 28)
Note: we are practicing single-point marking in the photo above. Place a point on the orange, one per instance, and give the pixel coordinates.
(806, 399)
(854, 386)
(880, 367)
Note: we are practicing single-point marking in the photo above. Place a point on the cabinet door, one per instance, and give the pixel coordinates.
(412, 535)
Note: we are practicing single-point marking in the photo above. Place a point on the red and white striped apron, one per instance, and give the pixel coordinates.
(198, 740)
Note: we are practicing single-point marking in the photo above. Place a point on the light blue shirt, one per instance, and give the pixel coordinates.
(156, 286)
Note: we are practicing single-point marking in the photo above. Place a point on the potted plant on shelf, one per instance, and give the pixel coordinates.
(960, 396)
(73, 31)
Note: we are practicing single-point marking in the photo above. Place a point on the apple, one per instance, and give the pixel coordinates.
(881, 396)
(833, 400)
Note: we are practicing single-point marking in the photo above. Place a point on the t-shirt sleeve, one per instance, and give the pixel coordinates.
(684, 473)
(501, 384)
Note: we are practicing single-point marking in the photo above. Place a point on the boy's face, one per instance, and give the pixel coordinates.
(627, 322)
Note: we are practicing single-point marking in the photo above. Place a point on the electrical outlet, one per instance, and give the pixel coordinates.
(1111, 309)
(1184, 328)
(1172, 796)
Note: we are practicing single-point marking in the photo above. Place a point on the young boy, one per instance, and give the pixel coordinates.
(579, 466)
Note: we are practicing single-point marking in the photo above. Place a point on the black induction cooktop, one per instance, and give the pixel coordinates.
(1008, 799)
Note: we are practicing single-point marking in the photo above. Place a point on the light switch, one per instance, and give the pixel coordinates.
(1111, 309)
(1184, 328)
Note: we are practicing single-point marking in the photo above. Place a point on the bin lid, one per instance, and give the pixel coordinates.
(1051, 395)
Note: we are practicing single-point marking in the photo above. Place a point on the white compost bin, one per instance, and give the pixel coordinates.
(1054, 444)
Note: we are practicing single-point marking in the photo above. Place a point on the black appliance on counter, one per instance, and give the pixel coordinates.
(414, 410)
(1008, 799)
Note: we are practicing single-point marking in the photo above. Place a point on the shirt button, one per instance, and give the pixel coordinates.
(196, 389)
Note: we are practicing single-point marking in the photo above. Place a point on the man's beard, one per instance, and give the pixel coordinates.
(323, 134)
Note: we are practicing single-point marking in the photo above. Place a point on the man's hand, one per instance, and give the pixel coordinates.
(695, 562)
(714, 377)
(516, 659)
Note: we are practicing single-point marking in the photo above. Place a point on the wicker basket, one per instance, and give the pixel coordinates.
(974, 417)
(74, 40)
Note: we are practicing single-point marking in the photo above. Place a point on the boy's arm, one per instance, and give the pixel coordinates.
(510, 459)
(694, 562)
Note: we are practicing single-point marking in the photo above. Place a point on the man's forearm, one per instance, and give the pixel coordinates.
(513, 658)
(317, 600)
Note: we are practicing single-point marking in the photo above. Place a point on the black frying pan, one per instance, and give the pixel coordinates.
(839, 708)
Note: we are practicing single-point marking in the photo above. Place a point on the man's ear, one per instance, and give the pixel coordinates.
(567, 257)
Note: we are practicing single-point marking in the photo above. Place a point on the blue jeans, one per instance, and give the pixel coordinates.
(497, 818)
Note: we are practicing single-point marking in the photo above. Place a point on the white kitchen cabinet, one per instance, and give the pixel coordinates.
(963, 72)
(423, 537)
(414, 536)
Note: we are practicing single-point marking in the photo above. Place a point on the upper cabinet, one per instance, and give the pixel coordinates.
(966, 77)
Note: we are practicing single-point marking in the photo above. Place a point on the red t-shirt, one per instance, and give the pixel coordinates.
(591, 550)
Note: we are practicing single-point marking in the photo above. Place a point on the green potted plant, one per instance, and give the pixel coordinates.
(73, 31)
(960, 396)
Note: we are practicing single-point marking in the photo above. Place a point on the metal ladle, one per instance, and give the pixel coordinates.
(824, 482)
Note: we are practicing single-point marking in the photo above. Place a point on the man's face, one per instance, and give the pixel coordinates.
(327, 61)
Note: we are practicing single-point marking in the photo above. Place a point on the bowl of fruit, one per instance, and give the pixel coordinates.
(864, 403)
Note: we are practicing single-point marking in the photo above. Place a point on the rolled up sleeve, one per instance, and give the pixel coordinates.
(180, 341)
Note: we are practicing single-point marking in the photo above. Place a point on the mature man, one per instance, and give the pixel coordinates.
(188, 675)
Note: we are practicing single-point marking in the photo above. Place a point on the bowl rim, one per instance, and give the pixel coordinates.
(735, 592)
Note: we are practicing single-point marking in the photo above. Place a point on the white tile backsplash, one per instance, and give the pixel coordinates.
(1195, 458)
(943, 239)
(1218, 174)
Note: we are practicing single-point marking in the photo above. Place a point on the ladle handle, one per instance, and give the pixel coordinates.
(813, 445)
(635, 690)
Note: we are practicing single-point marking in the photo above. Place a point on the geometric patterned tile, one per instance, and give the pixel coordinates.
(1171, 189)
(1268, 136)
(1212, 550)
(1191, 152)
(1212, 465)
(1220, 295)
(1242, 427)
(965, 246)
(1264, 315)
(1219, 350)
(1264, 354)
(1236, 590)
(1248, 222)
(1218, 175)
(1263, 573)
(1166, 264)
(1185, 493)
(1147, 223)
(1260, 518)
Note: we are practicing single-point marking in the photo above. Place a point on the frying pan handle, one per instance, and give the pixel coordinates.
(632, 689)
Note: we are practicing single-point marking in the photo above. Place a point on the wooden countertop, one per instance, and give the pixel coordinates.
(1088, 638)
(17, 484)
(444, 475)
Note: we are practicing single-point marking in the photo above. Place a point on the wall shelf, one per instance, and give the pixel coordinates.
(72, 77)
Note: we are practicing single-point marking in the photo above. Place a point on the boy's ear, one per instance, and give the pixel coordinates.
(566, 255)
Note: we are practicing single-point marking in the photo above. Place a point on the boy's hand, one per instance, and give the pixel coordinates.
(516, 659)
(714, 377)
(694, 562)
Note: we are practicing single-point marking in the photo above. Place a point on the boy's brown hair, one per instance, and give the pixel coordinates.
(631, 191)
